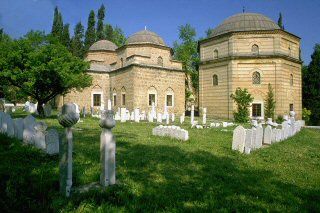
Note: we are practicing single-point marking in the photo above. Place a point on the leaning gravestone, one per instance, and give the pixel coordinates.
(267, 135)
(52, 142)
(40, 135)
(18, 128)
(239, 137)
(1, 118)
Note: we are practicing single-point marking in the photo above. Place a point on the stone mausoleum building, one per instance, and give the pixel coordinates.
(250, 51)
(133, 76)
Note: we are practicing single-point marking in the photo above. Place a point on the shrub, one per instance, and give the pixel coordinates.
(306, 115)
(243, 99)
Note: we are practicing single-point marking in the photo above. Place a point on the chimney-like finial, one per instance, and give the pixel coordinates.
(243, 9)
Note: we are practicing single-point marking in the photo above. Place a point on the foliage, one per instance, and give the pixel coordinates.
(280, 23)
(41, 68)
(100, 31)
(306, 115)
(186, 52)
(208, 32)
(65, 39)
(311, 86)
(77, 46)
(270, 103)
(279, 119)
(160, 174)
(115, 35)
(57, 26)
(90, 36)
(243, 99)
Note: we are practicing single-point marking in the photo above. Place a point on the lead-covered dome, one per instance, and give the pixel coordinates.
(245, 22)
(145, 36)
(103, 45)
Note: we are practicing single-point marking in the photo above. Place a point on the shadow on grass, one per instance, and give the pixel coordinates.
(150, 178)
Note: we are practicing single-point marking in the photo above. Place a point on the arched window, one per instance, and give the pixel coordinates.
(169, 97)
(255, 49)
(123, 96)
(114, 95)
(214, 80)
(152, 96)
(215, 54)
(256, 78)
(121, 62)
(160, 61)
(291, 80)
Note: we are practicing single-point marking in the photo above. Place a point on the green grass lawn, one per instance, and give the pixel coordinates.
(162, 174)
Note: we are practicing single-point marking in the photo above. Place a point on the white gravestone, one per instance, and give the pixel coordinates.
(28, 129)
(150, 117)
(172, 117)
(238, 140)
(259, 137)
(204, 116)
(107, 150)
(267, 135)
(18, 128)
(10, 126)
(40, 135)
(181, 119)
(52, 142)
(137, 115)
(192, 114)
(123, 115)
(248, 141)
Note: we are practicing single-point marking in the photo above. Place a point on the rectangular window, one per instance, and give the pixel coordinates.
(256, 110)
(152, 99)
(96, 99)
(114, 100)
(123, 99)
(169, 100)
(291, 107)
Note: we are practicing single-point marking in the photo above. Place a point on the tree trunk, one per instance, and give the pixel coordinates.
(40, 109)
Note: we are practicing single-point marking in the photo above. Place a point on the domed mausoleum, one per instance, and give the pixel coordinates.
(135, 75)
(249, 50)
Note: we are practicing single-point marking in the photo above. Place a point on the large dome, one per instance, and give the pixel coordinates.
(245, 22)
(103, 45)
(145, 36)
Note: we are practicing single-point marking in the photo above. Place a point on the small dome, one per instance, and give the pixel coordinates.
(145, 36)
(103, 45)
(245, 22)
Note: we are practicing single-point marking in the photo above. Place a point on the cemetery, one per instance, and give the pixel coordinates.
(144, 164)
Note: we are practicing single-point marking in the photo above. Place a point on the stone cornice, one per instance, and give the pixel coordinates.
(234, 57)
(137, 65)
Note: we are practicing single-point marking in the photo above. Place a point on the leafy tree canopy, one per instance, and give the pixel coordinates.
(41, 68)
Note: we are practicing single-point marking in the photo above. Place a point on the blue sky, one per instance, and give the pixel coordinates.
(300, 17)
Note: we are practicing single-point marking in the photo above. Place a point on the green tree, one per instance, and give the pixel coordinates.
(208, 32)
(65, 39)
(108, 31)
(115, 34)
(90, 36)
(186, 52)
(77, 46)
(101, 15)
(280, 23)
(41, 68)
(270, 103)
(311, 86)
(243, 99)
(57, 26)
